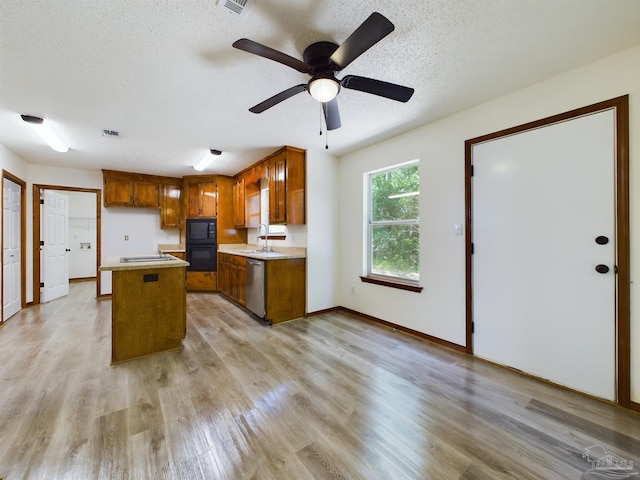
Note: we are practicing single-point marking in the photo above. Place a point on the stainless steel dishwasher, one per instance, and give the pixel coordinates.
(256, 286)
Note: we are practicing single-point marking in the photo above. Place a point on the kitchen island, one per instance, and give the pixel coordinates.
(148, 308)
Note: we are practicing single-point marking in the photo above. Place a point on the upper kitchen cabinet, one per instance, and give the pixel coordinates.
(201, 195)
(239, 211)
(246, 196)
(286, 174)
(277, 174)
(123, 189)
(170, 206)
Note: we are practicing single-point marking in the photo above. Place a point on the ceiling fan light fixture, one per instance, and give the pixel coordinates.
(206, 159)
(324, 89)
(44, 131)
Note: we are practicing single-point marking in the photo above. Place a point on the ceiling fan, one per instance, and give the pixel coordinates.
(321, 60)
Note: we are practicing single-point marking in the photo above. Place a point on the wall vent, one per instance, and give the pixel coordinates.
(236, 6)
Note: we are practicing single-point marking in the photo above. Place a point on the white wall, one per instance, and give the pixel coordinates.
(132, 231)
(440, 309)
(322, 230)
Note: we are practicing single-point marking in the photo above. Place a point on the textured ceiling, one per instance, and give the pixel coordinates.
(163, 73)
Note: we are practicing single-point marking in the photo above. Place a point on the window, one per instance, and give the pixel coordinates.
(394, 224)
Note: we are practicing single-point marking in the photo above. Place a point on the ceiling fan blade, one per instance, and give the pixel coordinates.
(377, 87)
(279, 97)
(331, 114)
(268, 52)
(372, 30)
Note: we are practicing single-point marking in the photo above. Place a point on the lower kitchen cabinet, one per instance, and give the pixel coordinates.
(232, 277)
(285, 285)
(285, 289)
(201, 281)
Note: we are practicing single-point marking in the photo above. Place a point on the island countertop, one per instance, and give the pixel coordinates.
(142, 262)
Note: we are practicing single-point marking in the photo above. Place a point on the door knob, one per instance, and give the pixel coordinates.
(602, 240)
(602, 268)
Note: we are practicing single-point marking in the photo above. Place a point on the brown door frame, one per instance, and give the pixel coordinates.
(23, 238)
(621, 107)
(37, 267)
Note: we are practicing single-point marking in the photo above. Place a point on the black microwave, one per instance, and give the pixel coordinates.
(201, 231)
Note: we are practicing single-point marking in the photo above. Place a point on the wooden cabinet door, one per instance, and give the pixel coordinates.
(252, 203)
(146, 194)
(239, 203)
(277, 190)
(208, 200)
(193, 200)
(296, 181)
(170, 208)
(233, 281)
(118, 192)
(202, 199)
(242, 285)
(223, 274)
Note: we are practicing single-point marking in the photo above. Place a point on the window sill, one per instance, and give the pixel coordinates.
(393, 284)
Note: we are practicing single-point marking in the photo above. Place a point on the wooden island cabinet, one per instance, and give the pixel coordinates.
(148, 306)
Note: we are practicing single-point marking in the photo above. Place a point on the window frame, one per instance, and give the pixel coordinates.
(376, 278)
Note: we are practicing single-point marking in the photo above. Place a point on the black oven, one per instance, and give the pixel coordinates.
(201, 244)
(201, 231)
(202, 258)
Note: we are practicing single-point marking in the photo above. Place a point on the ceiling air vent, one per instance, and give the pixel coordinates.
(110, 133)
(235, 6)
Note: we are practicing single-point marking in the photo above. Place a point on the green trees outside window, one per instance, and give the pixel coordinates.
(394, 223)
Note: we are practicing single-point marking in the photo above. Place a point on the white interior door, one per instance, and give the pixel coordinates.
(55, 227)
(11, 255)
(540, 200)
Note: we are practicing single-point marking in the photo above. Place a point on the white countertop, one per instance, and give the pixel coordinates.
(255, 251)
(169, 248)
(142, 262)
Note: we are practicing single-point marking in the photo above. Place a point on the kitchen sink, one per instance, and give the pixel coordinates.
(262, 253)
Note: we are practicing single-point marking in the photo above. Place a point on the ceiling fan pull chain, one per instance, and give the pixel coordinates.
(326, 141)
(320, 119)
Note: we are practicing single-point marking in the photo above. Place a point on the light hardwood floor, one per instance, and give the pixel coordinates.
(328, 397)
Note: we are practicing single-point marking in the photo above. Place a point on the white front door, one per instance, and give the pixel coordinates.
(11, 254)
(543, 220)
(55, 227)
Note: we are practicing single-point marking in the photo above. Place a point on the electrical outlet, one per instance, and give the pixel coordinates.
(353, 290)
(126, 237)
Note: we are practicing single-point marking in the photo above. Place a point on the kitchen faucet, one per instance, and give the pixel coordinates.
(265, 248)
